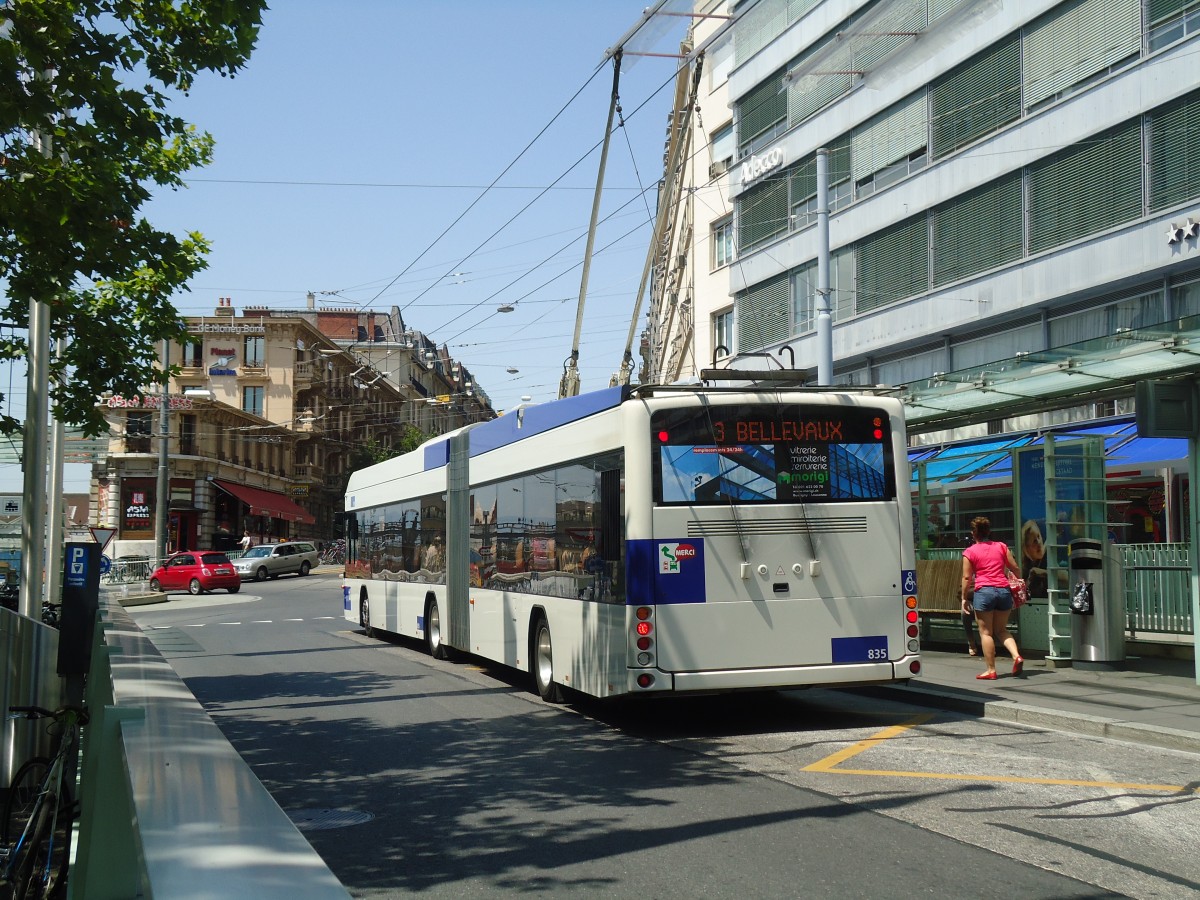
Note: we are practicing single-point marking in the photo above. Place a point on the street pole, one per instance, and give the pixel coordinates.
(164, 490)
(37, 420)
(56, 533)
(33, 525)
(824, 313)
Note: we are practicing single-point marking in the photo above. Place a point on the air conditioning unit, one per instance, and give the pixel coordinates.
(719, 168)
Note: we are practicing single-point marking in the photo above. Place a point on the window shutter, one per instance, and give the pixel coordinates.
(762, 314)
(1174, 164)
(757, 27)
(892, 135)
(1076, 41)
(976, 98)
(978, 230)
(1161, 10)
(893, 264)
(891, 29)
(804, 175)
(762, 212)
(761, 109)
(1087, 188)
(939, 8)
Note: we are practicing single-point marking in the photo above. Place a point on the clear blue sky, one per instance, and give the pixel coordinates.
(360, 131)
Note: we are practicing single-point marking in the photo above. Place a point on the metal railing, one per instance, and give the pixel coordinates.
(1158, 588)
(129, 570)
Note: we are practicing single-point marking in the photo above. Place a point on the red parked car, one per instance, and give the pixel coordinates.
(196, 571)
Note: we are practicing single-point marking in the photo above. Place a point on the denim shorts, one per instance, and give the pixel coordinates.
(992, 599)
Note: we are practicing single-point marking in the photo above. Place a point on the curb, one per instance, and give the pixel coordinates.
(986, 707)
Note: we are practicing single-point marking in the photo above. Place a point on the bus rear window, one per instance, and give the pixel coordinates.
(771, 454)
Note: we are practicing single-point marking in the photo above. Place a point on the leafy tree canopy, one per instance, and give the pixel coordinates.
(86, 134)
(409, 439)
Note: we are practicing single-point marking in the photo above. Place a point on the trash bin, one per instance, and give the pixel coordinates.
(1097, 606)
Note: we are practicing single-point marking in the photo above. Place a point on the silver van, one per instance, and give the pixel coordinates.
(272, 560)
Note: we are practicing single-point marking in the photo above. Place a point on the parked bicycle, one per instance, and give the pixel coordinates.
(39, 811)
(334, 553)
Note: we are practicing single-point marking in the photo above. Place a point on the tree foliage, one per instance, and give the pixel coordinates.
(409, 439)
(87, 134)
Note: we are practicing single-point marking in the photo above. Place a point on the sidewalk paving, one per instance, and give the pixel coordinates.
(1150, 701)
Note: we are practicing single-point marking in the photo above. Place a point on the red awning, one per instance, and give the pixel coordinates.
(267, 503)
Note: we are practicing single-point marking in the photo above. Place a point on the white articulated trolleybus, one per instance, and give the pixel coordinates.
(651, 539)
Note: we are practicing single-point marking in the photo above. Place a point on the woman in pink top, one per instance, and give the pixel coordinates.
(986, 565)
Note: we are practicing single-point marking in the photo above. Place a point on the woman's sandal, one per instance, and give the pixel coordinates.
(1018, 665)
(971, 651)
(987, 676)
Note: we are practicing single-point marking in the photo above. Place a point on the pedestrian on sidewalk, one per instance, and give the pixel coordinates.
(968, 620)
(986, 564)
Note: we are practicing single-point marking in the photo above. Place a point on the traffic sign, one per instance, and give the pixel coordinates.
(102, 536)
(105, 565)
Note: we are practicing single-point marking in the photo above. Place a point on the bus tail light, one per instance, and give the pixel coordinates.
(911, 616)
(645, 680)
(915, 667)
(643, 628)
(912, 630)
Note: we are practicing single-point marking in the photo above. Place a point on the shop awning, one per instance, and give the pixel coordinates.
(267, 503)
(991, 459)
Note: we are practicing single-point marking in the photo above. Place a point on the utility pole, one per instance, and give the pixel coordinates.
(37, 420)
(164, 485)
(824, 314)
(56, 532)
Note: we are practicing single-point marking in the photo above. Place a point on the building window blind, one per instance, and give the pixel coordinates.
(757, 27)
(1086, 188)
(761, 314)
(1076, 41)
(761, 112)
(1174, 134)
(893, 264)
(762, 212)
(803, 176)
(719, 60)
(894, 134)
(977, 97)
(1162, 10)
(978, 230)
(809, 91)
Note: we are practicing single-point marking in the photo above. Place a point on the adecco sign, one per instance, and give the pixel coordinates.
(758, 166)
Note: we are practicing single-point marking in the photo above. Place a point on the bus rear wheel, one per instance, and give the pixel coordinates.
(541, 661)
(433, 630)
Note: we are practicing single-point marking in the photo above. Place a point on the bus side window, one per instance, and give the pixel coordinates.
(611, 515)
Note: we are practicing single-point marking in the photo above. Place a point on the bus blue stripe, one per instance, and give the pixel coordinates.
(542, 417)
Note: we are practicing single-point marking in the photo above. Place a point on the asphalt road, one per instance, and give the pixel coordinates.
(411, 775)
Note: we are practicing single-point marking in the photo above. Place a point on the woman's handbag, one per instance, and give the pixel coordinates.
(1020, 592)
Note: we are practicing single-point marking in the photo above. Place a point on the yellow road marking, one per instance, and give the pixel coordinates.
(826, 764)
(830, 765)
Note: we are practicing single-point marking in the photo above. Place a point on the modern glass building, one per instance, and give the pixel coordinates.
(1014, 191)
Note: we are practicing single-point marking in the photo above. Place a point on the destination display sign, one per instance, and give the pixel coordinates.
(772, 454)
